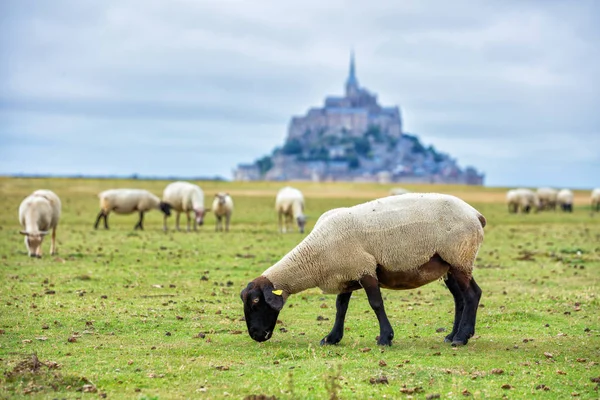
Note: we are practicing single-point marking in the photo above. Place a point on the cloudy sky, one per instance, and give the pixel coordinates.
(192, 88)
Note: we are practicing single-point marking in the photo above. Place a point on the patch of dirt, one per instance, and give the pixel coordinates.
(260, 397)
(31, 375)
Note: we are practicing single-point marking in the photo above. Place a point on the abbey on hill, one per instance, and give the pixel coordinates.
(353, 138)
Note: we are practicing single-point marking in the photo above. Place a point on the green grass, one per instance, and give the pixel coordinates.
(148, 315)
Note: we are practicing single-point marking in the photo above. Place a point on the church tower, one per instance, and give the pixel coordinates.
(352, 88)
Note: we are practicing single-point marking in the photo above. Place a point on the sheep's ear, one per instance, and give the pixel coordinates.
(24, 233)
(274, 298)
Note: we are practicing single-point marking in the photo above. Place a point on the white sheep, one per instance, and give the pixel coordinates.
(222, 206)
(128, 201)
(547, 198)
(398, 191)
(396, 242)
(38, 213)
(595, 199)
(289, 205)
(185, 197)
(564, 199)
(522, 199)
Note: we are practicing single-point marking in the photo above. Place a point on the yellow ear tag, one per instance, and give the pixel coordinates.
(277, 292)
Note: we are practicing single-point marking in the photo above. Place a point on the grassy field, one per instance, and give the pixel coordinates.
(149, 315)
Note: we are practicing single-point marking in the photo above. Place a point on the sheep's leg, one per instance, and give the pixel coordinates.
(218, 223)
(177, 216)
(140, 224)
(459, 304)
(100, 215)
(165, 222)
(187, 214)
(371, 286)
(280, 222)
(53, 242)
(471, 294)
(336, 334)
(227, 219)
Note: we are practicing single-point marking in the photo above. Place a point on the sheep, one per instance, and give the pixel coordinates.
(127, 201)
(38, 213)
(396, 242)
(547, 198)
(289, 204)
(222, 206)
(522, 199)
(595, 198)
(564, 199)
(398, 191)
(185, 197)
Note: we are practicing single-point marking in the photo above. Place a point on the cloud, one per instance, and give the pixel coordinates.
(506, 86)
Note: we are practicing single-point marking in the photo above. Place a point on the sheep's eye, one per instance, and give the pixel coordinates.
(255, 300)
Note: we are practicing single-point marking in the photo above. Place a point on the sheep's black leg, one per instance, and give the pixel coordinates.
(100, 215)
(140, 224)
(459, 304)
(471, 294)
(371, 286)
(336, 334)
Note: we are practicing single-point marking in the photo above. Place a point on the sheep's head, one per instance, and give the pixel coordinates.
(200, 213)
(221, 198)
(301, 221)
(262, 305)
(33, 242)
(165, 208)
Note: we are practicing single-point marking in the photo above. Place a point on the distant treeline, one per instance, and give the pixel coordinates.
(133, 176)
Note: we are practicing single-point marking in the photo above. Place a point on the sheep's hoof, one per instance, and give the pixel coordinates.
(327, 341)
(457, 343)
(385, 342)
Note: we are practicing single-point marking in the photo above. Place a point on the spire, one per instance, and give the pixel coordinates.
(352, 82)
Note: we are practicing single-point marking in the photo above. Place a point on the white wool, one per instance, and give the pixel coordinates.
(127, 201)
(290, 203)
(184, 197)
(521, 198)
(39, 213)
(397, 232)
(547, 197)
(221, 210)
(564, 196)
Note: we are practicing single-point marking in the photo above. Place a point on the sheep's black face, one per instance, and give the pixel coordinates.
(261, 309)
(165, 208)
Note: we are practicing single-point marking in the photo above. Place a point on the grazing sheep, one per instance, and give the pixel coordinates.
(127, 201)
(289, 204)
(398, 191)
(547, 198)
(522, 199)
(595, 198)
(185, 197)
(222, 206)
(38, 213)
(564, 199)
(397, 242)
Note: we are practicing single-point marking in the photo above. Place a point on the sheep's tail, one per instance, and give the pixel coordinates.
(482, 220)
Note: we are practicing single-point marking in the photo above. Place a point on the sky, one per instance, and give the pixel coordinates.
(193, 88)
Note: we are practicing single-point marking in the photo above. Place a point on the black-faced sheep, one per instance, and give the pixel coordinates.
(222, 207)
(289, 205)
(128, 201)
(564, 199)
(185, 197)
(38, 213)
(397, 242)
